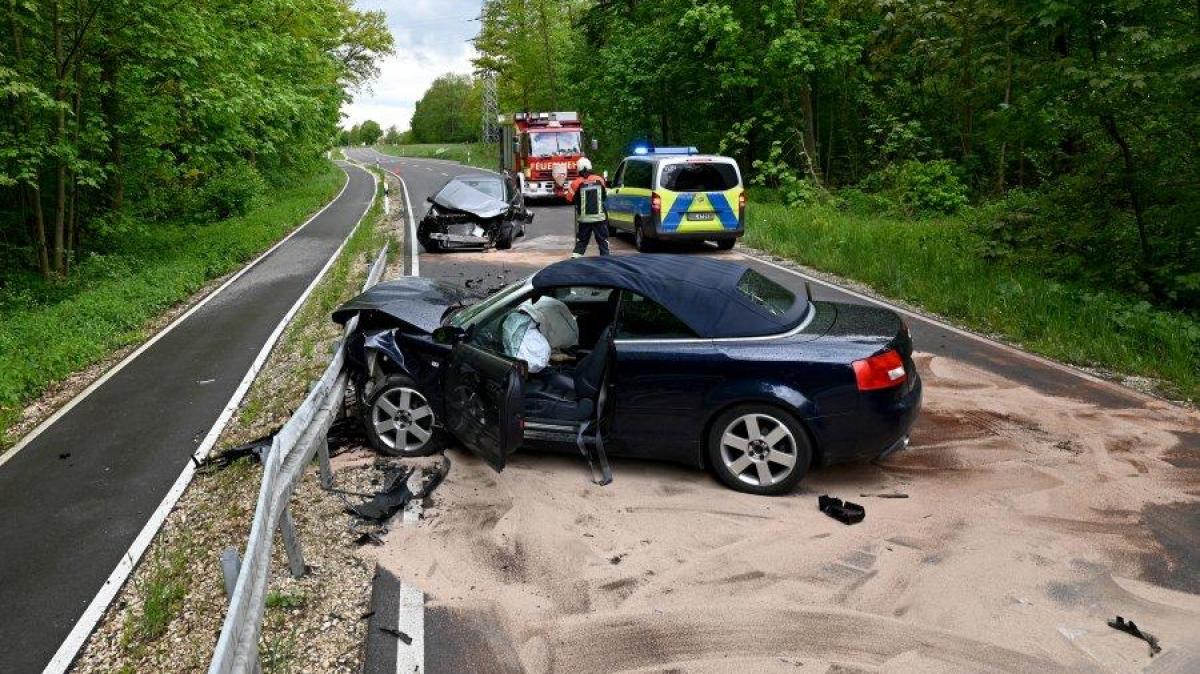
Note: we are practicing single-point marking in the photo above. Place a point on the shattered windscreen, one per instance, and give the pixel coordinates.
(481, 196)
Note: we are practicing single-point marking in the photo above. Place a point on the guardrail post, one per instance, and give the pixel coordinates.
(291, 543)
(323, 463)
(231, 566)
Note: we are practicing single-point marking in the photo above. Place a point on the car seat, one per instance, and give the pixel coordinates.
(570, 397)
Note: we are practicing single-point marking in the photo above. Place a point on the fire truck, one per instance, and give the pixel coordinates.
(541, 149)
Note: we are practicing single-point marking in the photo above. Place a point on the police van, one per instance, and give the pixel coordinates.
(677, 194)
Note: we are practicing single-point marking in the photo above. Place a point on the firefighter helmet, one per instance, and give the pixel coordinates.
(584, 164)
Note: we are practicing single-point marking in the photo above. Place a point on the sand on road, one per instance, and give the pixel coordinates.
(1030, 521)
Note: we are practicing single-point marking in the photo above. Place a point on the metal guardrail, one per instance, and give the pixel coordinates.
(292, 449)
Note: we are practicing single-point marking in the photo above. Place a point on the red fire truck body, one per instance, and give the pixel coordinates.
(542, 150)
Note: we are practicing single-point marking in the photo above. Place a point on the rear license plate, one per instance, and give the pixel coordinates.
(700, 216)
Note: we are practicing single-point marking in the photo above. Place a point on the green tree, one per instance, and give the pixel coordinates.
(369, 132)
(154, 107)
(448, 112)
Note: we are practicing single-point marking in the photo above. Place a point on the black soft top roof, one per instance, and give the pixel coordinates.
(701, 292)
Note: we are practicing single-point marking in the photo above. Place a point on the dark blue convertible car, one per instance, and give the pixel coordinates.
(677, 358)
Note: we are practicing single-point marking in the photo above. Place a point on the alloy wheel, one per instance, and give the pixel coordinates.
(403, 419)
(759, 449)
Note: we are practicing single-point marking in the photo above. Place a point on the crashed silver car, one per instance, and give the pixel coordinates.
(476, 210)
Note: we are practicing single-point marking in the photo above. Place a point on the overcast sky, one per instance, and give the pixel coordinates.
(431, 40)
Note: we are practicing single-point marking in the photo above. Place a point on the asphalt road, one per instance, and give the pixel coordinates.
(456, 641)
(550, 238)
(75, 497)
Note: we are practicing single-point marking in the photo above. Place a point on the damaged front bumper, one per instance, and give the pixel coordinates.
(459, 239)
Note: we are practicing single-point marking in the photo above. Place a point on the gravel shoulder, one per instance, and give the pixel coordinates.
(169, 614)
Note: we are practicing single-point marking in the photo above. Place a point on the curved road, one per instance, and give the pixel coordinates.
(462, 643)
(551, 237)
(74, 497)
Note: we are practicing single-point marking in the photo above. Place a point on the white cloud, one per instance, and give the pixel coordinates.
(432, 39)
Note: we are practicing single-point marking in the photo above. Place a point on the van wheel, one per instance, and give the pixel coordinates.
(759, 449)
(643, 244)
(726, 244)
(399, 420)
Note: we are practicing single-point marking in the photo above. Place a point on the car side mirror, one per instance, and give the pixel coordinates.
(595, 145)
(449, 335)
(528, 217)
(429, 198)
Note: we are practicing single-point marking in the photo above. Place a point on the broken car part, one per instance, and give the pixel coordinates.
(842, 511)
(1131, 628)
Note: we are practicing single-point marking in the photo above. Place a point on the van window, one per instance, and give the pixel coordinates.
(699, 177)
(637, 174)
(619, 177)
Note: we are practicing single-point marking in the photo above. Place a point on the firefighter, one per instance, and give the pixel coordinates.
(589, 193)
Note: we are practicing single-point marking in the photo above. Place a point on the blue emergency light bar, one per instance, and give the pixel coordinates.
(676, 150)
(642, 150)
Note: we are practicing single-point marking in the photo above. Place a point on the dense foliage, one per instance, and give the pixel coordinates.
(1078, 121)
(448, 112)
(120, 114)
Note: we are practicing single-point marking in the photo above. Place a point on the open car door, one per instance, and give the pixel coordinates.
(484, 403)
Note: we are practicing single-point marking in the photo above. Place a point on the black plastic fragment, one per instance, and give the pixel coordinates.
(402, 636)
(842, 511)
(394, 496)
(253, 450)
(1131, 628)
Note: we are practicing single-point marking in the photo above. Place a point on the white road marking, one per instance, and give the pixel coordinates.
(413, 257)
(1012, 350)
(79, 634)
(40, 428)
(410, 657)
(446, 174)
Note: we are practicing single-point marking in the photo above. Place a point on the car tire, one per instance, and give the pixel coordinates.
(640, 240)
(399, 401)
(759, 449)
(504, 241)
(726, 244)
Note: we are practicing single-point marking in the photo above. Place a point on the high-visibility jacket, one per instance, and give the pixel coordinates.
(591, 206)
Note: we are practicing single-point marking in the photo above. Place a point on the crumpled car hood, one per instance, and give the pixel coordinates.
(458, 196)
(414, 301)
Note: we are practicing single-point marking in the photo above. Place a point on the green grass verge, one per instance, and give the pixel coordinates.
(49, 332)
(938, 264)
(479, 155)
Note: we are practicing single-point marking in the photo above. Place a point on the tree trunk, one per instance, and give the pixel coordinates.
(549, 57)
(110, 108)
(31, 194)
(60, 132)
(810, 134)
(1000, 165)
(1130, 178)
(73, 205)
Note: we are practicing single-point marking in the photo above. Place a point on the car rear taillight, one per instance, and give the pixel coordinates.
(881, 371)
(742, 208)
(655, 204)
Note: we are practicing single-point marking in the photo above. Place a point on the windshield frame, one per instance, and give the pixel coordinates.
(473, 314)
(537, 135)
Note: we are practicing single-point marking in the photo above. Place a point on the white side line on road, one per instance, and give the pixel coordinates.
(446, 174)
(410, 657)
(1012, 350)
(413, 257)
(108, 591)
(40, 428)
